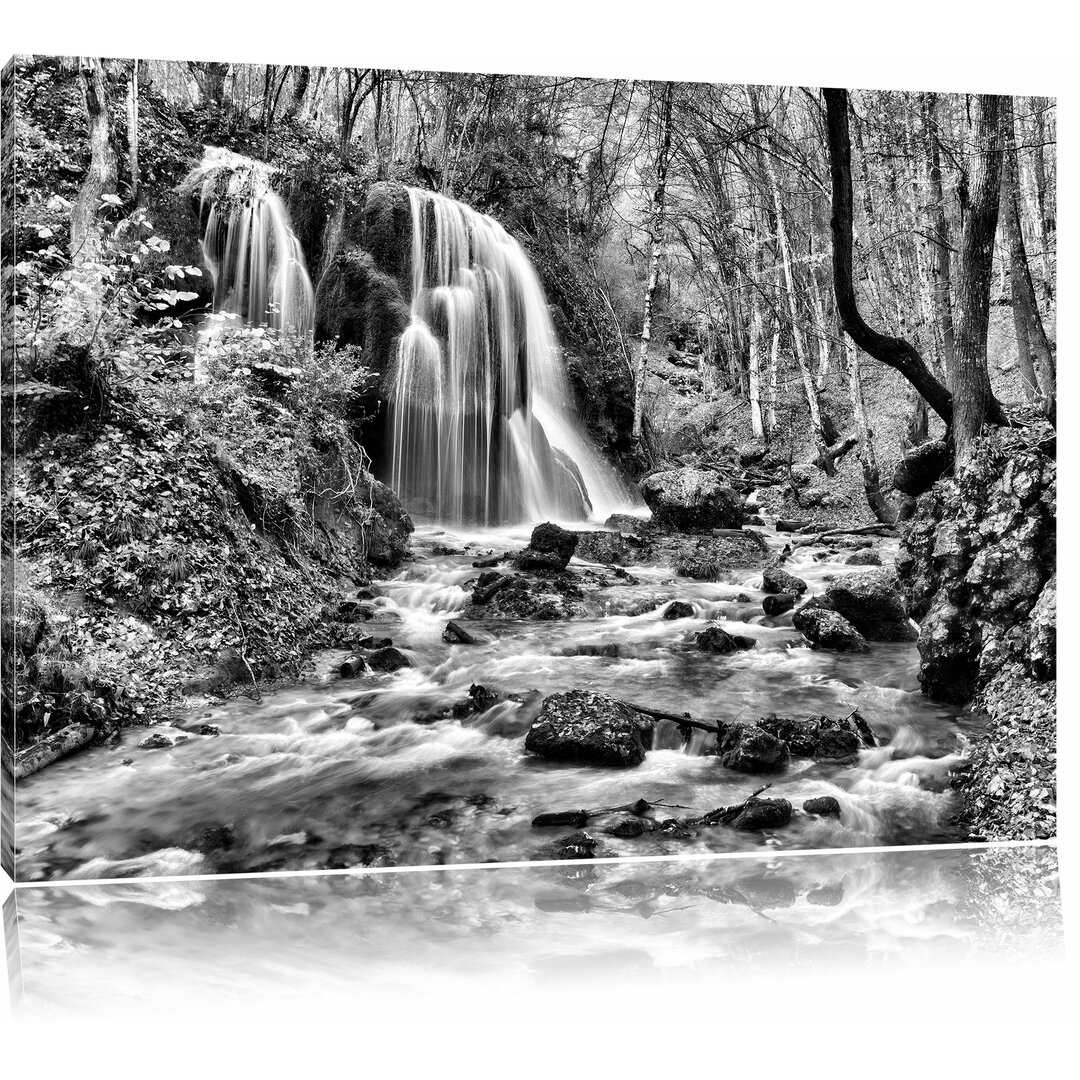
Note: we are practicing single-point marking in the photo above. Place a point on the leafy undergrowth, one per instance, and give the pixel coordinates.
(172, 546)
(1009, 791)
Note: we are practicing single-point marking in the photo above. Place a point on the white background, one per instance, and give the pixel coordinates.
(920, 1024)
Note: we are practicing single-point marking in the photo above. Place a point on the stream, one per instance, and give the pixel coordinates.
(334, 772)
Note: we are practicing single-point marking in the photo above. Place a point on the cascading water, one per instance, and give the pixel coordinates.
(482, 426)
(255, 260)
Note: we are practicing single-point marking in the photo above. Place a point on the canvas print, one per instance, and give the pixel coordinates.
(410, 467)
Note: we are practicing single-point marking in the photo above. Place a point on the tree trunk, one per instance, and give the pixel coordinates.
(757, 350)
(940, 262)
(883, 509)
(968, 378)
(657, 231)
(895, 352)
(133, 130)
(797, 334)
(1035, 356)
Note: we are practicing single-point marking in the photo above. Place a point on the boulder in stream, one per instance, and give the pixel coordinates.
(824, 628)
(749, 749)
(822, 806)
(778, 603)
(388, 659)
(602, 546)
(821, 736)
(550, 548)
(865, 557)
(716, 639)
(691, 500)
(758, 814)
(679, 609)
(873, 604)
(775, 580)
(588, 728)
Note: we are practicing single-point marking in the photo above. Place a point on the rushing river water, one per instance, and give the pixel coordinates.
(338, 772)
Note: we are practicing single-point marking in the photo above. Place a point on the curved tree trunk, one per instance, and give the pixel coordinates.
(896, 352)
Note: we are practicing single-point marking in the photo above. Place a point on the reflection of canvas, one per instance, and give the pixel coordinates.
(418, 468)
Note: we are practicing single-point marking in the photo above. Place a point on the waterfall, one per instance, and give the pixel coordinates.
(483, 429)
(255, 260)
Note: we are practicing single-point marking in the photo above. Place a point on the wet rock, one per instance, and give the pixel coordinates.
(679, 609)
(609, 548)
(389, 659)
(604, 649)
(752, 453)
(353, 611)
(208, 729)
(862, 558)
(579, 845)
(822, 806)
(547, 599)
(626, 523)
(690, 500)
(821, 736)
(155, 742)
(749, 749)
(628, 828)
(873, 604)
(764, 891)
(587, 728)
(367, 641)
(758, 814)
(776, 580)
(827, 629)
(550, 548)
(716, 639)
(778, 603)
(711, 559)
(384, 539)
(213, 839)
(921, 468)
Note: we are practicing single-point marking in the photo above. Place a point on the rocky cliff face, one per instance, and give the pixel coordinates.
(979, 566)
(975, 561)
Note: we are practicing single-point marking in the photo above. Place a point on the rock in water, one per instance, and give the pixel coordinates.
(691, 500)
(827, 629)
(716, 639)
(778, 603)
(587, 728)
(873, 604)
(550, 548)
(775, 580)
(389, 659)
(749, 749)
(863, 558)
(822, 806)
(821, 736)
(760, 814)
(610, 548)
(679, 609)
(155, 742)
(384, 540)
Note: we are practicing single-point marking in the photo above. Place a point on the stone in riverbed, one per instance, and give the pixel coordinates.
(863, 558)
(628, 828)
(155, 742)
(389, 659)
(822, 806)
(679, 609)
(758, 814)
(691, 500)
(778, 603)
(749, 749)
(873, 604)
(776, 580)
(824, 628)
(609, 548)
(587, 728)
(561, 818)
(550, 548)
(821, 736)
(716, 639)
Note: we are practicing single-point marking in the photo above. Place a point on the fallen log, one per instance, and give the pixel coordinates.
(835, 452)
(351, 666)
(728, 532)
(456, 634)
(484, 564)
(577, 818)
(790, 525)
(65, 741)
(483, 595)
